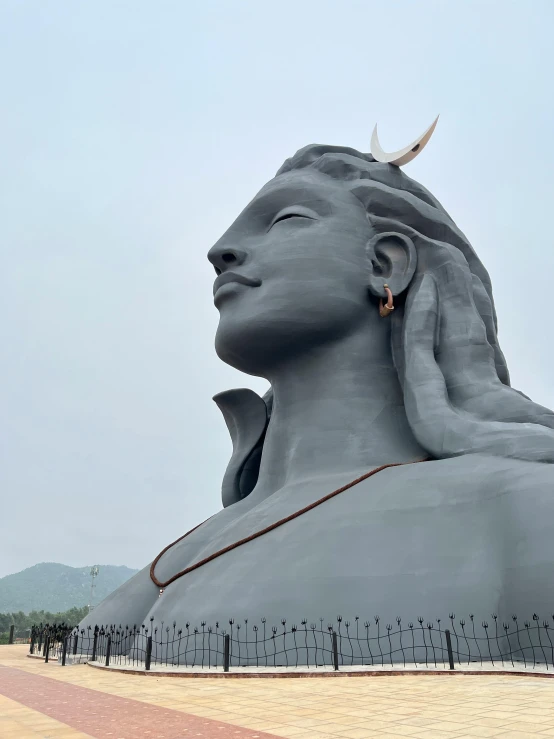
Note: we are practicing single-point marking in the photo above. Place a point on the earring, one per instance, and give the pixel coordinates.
(387, 308)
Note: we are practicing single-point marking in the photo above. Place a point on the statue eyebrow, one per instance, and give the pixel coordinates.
(269, 204)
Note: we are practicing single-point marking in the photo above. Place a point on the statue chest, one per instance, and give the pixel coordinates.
(374, 549)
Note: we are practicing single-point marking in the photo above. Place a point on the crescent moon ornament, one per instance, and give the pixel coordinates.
(403, 156)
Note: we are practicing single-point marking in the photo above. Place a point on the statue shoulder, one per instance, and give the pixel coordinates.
(472, 476)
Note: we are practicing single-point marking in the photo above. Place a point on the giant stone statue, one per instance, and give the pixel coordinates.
(391, 469)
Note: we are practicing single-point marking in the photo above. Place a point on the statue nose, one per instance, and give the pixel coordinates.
(224, 258)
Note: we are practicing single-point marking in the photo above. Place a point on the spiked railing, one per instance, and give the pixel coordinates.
(342, 643)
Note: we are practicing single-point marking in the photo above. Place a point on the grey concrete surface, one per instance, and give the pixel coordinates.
(300, 274)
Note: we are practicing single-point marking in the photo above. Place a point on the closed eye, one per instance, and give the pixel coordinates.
(287, 216)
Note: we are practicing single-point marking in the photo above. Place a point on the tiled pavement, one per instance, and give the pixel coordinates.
(107, 716)
(420, 706)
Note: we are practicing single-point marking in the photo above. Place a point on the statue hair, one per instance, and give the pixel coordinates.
(445, 346)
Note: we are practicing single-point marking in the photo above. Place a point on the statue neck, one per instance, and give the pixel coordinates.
(338, 412)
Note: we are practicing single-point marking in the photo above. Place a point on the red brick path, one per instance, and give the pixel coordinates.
(106, 716)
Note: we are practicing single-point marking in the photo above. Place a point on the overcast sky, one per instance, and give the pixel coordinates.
(132, 135)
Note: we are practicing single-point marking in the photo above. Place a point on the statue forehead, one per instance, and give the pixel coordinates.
(311, 190)
(301, 188)
(296, 181)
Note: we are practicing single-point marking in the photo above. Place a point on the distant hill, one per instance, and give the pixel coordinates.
(54, 587)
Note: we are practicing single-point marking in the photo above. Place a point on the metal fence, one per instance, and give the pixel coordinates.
(343, 643)
(48, 640)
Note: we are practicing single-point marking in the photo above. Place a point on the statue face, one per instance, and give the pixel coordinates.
(292, 272)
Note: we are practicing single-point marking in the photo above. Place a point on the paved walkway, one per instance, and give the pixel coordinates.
(77, 701)
(103, 715)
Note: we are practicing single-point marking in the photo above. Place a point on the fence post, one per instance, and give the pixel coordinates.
(64, 650)
(108, 650)
(32, 647)
(226, 652)
(335, 652)
(449, 648)
(10, 638)
(75, 643)
(46, 647)
(94, 645)
(148, 653)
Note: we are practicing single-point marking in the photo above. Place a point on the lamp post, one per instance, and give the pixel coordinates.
(93, 573)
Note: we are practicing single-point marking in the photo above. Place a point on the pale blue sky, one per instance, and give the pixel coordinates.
(132, 135)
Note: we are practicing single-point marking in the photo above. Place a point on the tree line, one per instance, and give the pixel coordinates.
(24, 621)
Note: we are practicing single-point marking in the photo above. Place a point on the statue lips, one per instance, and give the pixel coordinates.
(229, 277)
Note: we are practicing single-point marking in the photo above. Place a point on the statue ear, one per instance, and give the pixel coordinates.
(392, 261)
(246, 416)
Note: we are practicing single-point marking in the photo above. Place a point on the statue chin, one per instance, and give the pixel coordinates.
(238, 349)
(256, 340)
(258, 344)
